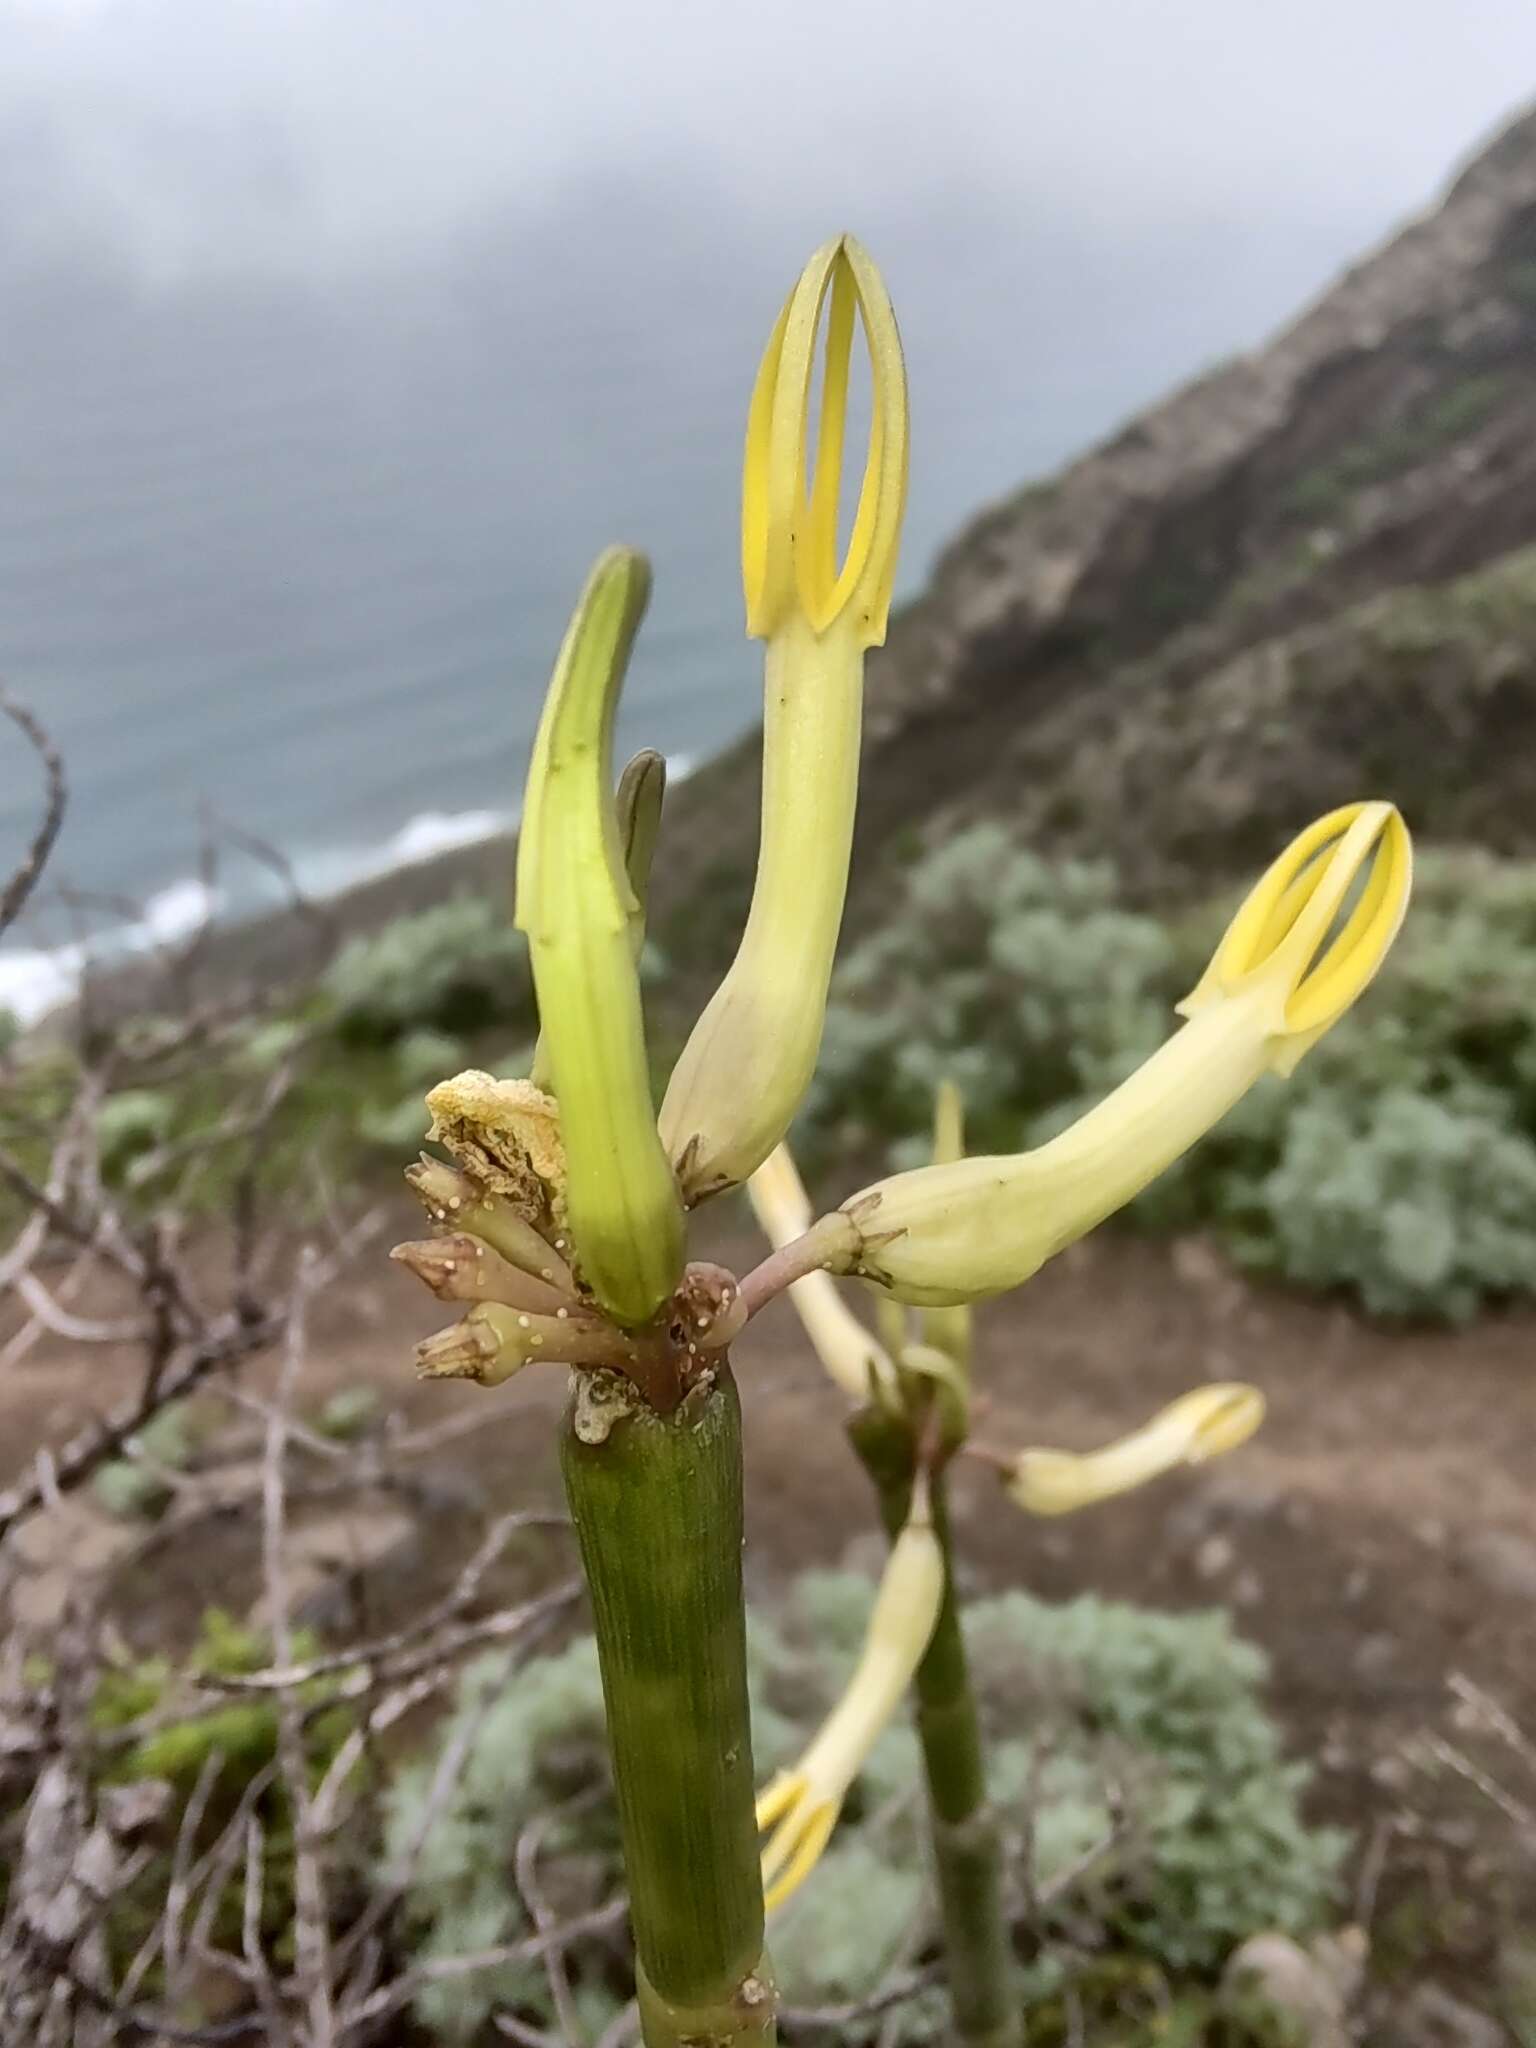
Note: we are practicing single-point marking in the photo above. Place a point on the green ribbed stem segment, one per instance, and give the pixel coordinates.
(656, 1501)
(967, 1853)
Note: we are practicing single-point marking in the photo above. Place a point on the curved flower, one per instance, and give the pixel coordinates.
(746, 1066)
(801, 1805)
(1290, 964)
(1200, 1425)
(581, 913)
(852, 1355)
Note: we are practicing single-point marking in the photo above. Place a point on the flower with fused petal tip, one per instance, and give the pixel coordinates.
(852, 1355)
(579, 910)
(789, 561)
(1200, 1425)
(747, 1064)
(801, 1805)
(1291, 963)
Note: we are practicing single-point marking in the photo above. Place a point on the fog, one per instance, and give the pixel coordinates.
(232, 133)
(337, 335)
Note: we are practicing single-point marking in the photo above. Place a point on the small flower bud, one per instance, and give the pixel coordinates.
(455, 1201)
(462, 1268)
(493, 1342)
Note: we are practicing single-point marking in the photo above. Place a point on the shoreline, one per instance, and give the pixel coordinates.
(283, 948)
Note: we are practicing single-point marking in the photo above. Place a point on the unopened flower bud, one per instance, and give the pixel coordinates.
(493, 1342)
(462, 1268)
(578, 908)
(455, 1201)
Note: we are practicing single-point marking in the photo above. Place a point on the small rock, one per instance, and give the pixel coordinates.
(1374, 1653)
(1432, 2018)
(1504, 1561)
(1277, 1976)
(1214, 1556)
(129, 1809)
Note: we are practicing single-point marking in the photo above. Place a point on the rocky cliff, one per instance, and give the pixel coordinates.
(1302, 578)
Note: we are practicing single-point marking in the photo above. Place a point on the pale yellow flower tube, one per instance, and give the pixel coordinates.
(852, 1355)
(801, 1805)
(747, 1064)
(1200, 1425)
(1290, 964)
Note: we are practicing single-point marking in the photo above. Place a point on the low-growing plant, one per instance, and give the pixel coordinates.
(458, 967)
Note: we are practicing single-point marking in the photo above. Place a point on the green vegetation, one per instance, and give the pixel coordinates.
(1398, 1165)
(213, 1756)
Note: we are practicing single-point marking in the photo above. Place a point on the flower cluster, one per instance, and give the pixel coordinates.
(562, 1223)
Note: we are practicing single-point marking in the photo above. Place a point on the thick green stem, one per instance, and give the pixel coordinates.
(656, 1501)
(967, 1852)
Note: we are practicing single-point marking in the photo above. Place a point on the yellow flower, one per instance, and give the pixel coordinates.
(1200, 1425)
(852, 1355)
(1290, 964)
(746, 1066)
(577, 905)
(801, 1805)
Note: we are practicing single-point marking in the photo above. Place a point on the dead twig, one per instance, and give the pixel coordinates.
(24, 876)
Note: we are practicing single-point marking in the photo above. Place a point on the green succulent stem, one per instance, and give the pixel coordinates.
(985, 1998)
(656, 1502)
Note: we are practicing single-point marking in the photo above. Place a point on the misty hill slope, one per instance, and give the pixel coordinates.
(1299, 579)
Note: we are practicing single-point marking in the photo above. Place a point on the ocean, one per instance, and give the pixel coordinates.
(285, 557)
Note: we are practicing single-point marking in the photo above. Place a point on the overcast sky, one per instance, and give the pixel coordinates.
(227, 132)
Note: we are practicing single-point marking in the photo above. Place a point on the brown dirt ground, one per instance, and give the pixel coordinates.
(1378, 1536)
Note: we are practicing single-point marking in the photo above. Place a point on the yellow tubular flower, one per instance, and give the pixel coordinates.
(1290, 964)
(851, 1354)
(1200, 1425)
(746, 1066)
(581, 914)
(801, 1805)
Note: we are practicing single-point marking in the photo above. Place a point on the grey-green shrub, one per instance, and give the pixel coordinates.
(1398, 1165)
(458, 967)
(1028, 983)
(1419, 1205)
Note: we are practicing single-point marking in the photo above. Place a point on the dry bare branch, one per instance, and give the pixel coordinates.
(24, 876)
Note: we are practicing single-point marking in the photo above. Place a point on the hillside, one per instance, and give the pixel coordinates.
(1303, 577)
(1309, 575)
